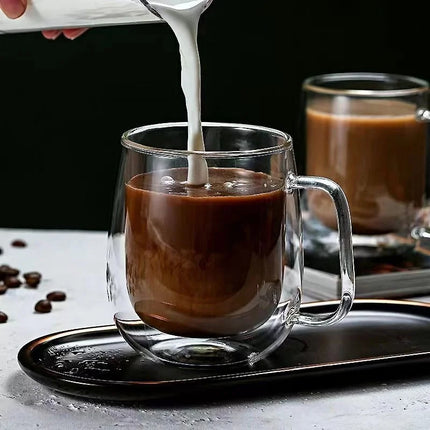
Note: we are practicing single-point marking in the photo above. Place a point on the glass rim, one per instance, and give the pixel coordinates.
(316, 84)
(127, 142)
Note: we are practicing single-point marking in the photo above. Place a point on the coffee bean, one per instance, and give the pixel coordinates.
(18, 243)
(32, 282)
(32, 279)
(12, 282)
(7, 271)
(56, 296)
(37, 275)
(43, 306)
(3, 289)
(3, 317)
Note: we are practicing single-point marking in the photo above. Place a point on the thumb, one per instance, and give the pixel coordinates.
(13, 8)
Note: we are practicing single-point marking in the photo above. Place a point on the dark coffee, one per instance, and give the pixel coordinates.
(204, 261)
(375, 150)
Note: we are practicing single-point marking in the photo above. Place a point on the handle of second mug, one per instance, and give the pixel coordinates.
(421, 232)
(346, 257)
(423, 115)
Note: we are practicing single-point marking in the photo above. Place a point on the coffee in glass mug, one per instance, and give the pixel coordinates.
(366, 132)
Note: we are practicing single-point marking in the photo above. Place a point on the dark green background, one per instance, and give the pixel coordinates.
(65, 104)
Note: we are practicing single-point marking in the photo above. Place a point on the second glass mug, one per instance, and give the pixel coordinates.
(368, 132)
(212, 275)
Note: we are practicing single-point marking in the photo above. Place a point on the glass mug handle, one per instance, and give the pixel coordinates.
(423, 115)
(422, 232)
(346, 257)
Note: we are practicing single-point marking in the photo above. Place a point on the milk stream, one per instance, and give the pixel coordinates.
(183, 17)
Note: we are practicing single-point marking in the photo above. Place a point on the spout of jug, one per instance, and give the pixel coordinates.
(148, 4)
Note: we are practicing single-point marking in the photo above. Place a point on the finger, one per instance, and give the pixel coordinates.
(73, 33)
(51, 34)
(13, 8)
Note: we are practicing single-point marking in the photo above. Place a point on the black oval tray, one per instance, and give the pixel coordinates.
(96, 362)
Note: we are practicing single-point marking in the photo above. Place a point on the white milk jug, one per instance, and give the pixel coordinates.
(57, 14)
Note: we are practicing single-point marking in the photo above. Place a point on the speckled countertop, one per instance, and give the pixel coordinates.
(75, 263)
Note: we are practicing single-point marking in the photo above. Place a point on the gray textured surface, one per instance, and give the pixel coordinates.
(75, 262)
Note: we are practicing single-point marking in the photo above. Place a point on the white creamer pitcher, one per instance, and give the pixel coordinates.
(57, 14)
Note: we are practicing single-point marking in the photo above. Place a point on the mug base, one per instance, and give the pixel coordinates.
(245, 348)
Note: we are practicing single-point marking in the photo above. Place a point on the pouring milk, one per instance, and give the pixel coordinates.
(183, 17)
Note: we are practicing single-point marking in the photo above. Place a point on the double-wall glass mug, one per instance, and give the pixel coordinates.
(212, 275)
(369, 133)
